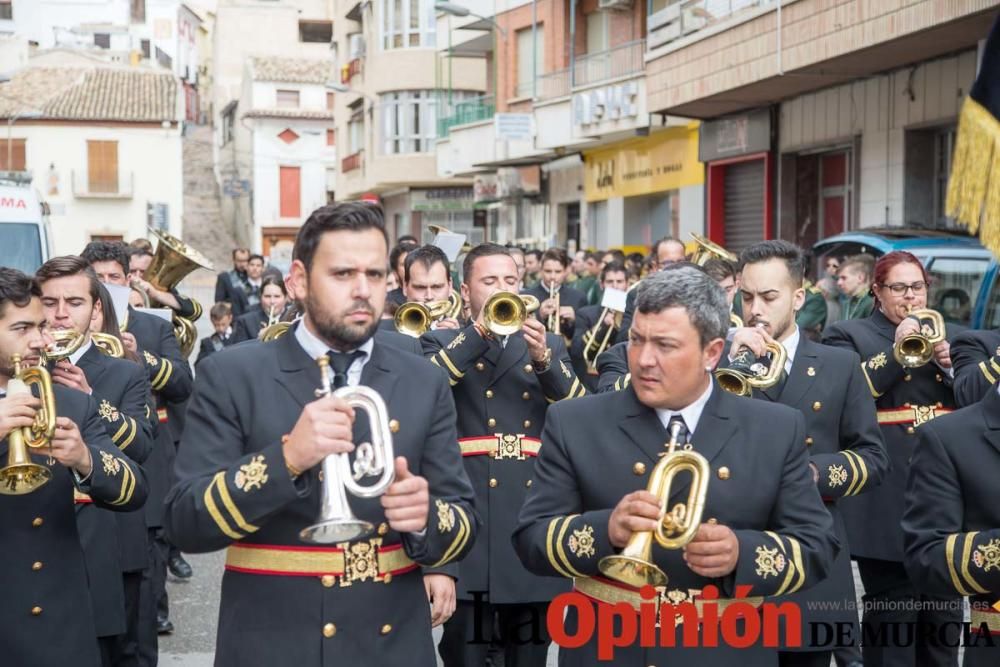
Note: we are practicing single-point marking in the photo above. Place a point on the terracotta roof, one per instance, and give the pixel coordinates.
(291, 70)
(304, 114)
(97, 93)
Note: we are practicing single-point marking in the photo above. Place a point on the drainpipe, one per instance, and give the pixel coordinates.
(781, 71)
(534, 49)
(572, 44)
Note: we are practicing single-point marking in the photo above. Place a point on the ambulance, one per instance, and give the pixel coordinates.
(25, 235)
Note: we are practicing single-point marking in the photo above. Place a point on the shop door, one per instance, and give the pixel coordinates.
(744, 204)
(835, 193)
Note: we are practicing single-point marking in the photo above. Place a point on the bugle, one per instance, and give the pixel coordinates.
(747, 372)
(704, 250)
(64, 343)
(109, 344)
(553, 322)
(915, 350)
(504, 312)
(337, 523)
(591, 347)
(21, 475)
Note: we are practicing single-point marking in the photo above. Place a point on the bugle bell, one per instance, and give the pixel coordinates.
(64, 343)
(504, 313)
(337, 523)
(21, 475)
(915, 350)
(703, 250)
(675, 528)
(109, 344)
(747, 372)
(414, 318)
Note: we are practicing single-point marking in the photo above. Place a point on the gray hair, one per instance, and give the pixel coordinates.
(689, 287)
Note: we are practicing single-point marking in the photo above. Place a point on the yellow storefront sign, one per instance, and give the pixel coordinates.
(666, 160)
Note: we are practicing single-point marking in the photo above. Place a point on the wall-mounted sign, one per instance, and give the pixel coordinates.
(514, 126)
(613, 102)
(441, 199)
(735, 135)
(485, 187)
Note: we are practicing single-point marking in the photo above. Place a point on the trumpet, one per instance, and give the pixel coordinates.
(414, 318)
(21, 475)
(109, 344)
(504, 313)
(553, 323)
(703, 250)
(915, 350)
(64, 343)
(337, 523)
(634, 566)
(748, 372)
(591, 348)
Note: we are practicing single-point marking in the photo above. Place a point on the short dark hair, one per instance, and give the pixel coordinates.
(274, 280)
(339, 217)
(141, 244)
(685, 285)
(427, 256)
(18, 288)
(107, 251)
(665, 239)
(69, 265)
(400, 249)
(481, 250)
(407, 238)
(256, 256)
(595, 255)
(537, 254)
(719, 268)
(557, 254)
(616, 255)
(240, 250)
(789, 253)
(220, 310)
(613, 267)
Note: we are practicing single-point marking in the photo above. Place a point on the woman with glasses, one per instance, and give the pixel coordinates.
(905, 397)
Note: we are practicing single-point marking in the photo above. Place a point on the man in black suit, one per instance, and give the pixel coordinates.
(152, 338)
(46, 617)
(249, 478)
(221, 315)
(397, 264)
(846, 452)
(764, 526)
(232, 285)
(951, 522)
(502, 387)
(975, 356)
(114, 545)
(551, 291)
(613, 276)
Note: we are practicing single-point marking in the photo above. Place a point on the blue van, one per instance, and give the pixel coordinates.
(987, 312)
(960, 267)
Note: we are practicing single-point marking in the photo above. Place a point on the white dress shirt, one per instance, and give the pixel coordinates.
(691, 414)
(315, 347)
(791, 345)
(82, 350)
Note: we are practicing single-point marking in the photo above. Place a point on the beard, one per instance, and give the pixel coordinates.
(339, 333)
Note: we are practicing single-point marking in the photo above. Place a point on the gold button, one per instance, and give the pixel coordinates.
(809, 441)
(386, 629)
(489, 393)
(907, 378)
(328, 580)
(493, 483)
(36, 566)
(713, 521)
(491, 422)
(480, 366)
(938, 377)
(387, 578)
(36, 611)
(37, 522)
(394, 425)
(910, 430)
(329, 630)
(723, 473)
(816, 406)
(525, 395)
(527, 423)
(383, 528)
(528, 483)
(527, 368)
(639, 468)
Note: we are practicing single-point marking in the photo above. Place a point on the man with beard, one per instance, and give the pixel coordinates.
(249, 473)
(232, 285)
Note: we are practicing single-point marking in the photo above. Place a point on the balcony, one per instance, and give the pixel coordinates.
(679, 19)
(622, 60)
(352, 162)
(85, 187)
(469, 111)
(553, 85)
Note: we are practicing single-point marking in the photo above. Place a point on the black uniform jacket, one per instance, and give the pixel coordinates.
(285, 601)
(586, 318)
(501, 404)
(46, 616)
(598, 449)
(212, 344)
(975, 356)
(568, 296)
(845, 445)
(612, 368)
(115, 543)
(229, 286)
(904, 399)
(951, 525)
(248, 325)
(170, 378)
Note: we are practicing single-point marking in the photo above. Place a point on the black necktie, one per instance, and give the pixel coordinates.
(340, 362)
(682, 429)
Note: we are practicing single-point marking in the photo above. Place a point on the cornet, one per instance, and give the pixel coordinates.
(553, 323)
(21, 475)
(504, 313)
(337, 522)
(914, 350)
(591, 348)
(414, 318)
(634, 566)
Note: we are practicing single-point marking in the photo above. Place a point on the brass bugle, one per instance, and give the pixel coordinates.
(21, 475)
(553, 322)
(109, 344)
(414, 318)
(64, 343)
(591, 348)
(744, 375)
(915, 350)
(705, 250)
(504, 313)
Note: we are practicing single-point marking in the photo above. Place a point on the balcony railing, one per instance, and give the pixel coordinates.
(468, 111)
(683, 17)
(352, 162)
(553, 84)
(85, 187)
(619, 61)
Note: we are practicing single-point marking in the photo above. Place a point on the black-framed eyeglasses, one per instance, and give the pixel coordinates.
(899, 289)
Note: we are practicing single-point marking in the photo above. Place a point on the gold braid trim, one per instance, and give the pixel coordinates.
(974, 185)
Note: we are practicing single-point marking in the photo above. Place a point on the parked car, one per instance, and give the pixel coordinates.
(958, 264)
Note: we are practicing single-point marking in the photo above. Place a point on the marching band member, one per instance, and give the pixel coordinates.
(502, 389)
(140, 257)
(46, 617)
(71, 298)
(846, 452)
(551, 291)
(764, 524)
(273, 298)
(426, 279)
(904, 399)
(249, 479)
(221, 315)
(613, 276)
(976, 358)
(232, 285)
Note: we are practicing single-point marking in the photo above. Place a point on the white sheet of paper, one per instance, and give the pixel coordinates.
(119, 297)
(614, 299)
(450, 243)
(164, 313)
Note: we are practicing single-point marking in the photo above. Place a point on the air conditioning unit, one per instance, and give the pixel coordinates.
(356, 46)
(614, 4)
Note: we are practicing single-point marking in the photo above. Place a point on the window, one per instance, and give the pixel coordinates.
(228, 116)
(597, 32)
(407, 24)
(289, 188)
(17, 160)
(331, 137)
(288, 99)
(6, 10)
(529, 60)
(102, 166)
(102, 40)
(137, 11)
(329, 101)
(144, 45)
(409, 119)
(944, 147)
(954, 285)
(320, 32)
(356, 134)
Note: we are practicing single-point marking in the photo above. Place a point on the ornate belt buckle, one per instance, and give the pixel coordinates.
(361, 561)
(509, 447)
(674, 596)
(923, 413)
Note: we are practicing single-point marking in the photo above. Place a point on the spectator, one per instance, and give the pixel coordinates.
(855, 281)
